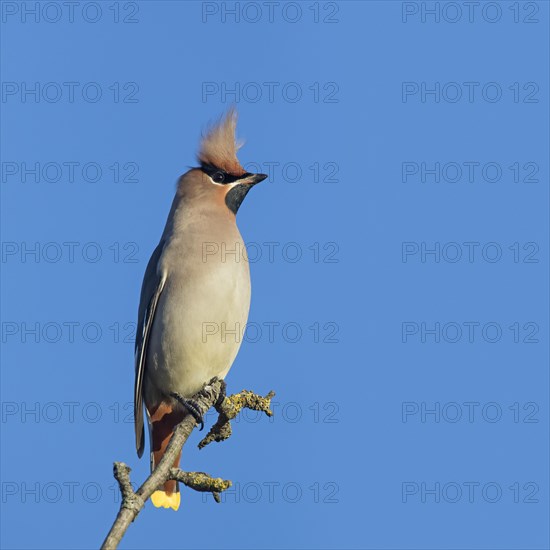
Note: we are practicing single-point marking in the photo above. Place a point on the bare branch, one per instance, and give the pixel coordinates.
(129, 499)
(134, 501)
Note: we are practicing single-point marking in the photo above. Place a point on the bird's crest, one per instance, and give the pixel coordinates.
(219, 145)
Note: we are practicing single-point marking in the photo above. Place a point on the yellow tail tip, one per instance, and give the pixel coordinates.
(160, 499)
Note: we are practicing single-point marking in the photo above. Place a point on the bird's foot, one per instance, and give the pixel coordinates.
(223, 395)
(192, 406)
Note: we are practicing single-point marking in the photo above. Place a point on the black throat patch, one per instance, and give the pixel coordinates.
(236, 196)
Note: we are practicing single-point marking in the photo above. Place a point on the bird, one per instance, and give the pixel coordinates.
(185, 290)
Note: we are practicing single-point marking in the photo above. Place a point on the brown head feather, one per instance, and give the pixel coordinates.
(219, 146)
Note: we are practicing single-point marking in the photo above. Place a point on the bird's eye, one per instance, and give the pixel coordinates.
(218, 177)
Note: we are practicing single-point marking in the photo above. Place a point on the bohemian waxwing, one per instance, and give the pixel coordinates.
(185, 290)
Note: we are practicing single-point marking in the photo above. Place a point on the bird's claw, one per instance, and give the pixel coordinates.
(193, 408)
(222, 396)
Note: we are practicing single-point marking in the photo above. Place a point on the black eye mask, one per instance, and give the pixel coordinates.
(219, 176)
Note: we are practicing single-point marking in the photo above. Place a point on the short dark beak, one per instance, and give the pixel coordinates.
(257, 178)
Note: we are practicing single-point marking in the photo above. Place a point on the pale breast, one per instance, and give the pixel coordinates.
(201, 315)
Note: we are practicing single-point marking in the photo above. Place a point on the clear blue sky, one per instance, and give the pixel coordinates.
(400, 281)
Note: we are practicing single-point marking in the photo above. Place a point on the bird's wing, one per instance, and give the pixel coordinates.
(153, 283)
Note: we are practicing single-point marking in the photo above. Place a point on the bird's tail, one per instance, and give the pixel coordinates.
(163, 422)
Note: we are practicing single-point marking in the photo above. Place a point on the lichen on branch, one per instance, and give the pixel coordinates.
(230, 407)
(212, 394)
